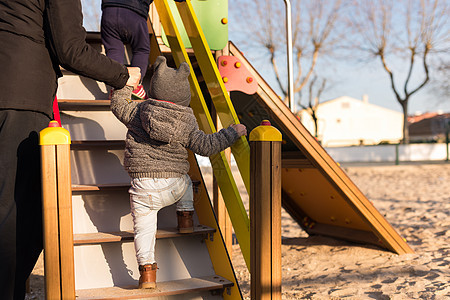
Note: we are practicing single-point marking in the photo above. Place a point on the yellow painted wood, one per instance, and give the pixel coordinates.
(220, 165)
(54, 136)
(50, 222)
(222, 215)
(220, 259)
(215, 85)
(265, 133)
(220, 209)
(223, 218)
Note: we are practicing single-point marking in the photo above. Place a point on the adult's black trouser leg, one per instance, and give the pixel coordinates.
(20, 199)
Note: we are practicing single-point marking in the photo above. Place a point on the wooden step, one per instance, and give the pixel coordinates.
(77, 105)
(167, 288)
(114, 186)
(124, 236)
(83, 105)
(87, 145)
(99, 187)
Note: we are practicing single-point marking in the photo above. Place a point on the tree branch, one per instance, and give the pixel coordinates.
(411, 65)
(311, 69)
(425, 67)
(391, 75)
(275, 70)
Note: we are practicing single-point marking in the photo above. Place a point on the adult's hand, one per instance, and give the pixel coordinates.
(135, 76)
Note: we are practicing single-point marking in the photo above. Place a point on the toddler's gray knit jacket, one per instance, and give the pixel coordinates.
(159, 133)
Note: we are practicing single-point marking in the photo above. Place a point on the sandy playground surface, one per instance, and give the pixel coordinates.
(415, 199)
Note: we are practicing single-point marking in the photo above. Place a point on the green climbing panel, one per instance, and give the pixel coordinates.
(213, 18)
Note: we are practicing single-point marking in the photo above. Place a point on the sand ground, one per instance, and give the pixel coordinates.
(415, 199)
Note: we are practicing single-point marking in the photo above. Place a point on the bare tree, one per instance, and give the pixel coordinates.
(440, 82)
(317, 29)
(410, 30)
(314, 94)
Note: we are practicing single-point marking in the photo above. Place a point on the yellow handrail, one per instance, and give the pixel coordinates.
(221, 168)
(215, 85)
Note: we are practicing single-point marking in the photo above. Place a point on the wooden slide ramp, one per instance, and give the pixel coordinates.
(316, 191)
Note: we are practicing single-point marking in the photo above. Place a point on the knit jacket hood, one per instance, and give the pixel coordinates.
(167, 122)
(159, 133)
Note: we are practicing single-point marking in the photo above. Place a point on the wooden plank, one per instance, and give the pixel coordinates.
(123, 236)
(275, 210)
(167, 288)
(50, 222)
(87, 145)
(348, 234)
(102, 237)
(65, 222)
(302, 163)
(99, 187)
(85, 105)
(265, 220)
(294, 210)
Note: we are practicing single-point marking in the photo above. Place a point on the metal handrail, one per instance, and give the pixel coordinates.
(290, 64)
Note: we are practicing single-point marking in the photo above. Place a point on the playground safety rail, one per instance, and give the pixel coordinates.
(57, 212)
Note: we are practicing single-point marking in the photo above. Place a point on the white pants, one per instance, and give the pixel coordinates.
(147, 197)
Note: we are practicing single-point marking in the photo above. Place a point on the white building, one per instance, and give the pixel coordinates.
(346, 121)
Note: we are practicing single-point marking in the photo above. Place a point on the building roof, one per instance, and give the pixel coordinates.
(431, 125)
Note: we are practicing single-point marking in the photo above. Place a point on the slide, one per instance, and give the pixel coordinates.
(316, 191)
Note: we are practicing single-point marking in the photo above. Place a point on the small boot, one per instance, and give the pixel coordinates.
(147, 280)
(185, 221)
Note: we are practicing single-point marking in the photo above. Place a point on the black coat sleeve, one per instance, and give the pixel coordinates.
(67, 39)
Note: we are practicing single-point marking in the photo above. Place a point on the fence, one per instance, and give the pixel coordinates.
(390, 153)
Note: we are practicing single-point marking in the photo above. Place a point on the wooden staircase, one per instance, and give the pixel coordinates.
(104, 255)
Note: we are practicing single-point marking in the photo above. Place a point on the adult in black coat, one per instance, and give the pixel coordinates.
(36, 38)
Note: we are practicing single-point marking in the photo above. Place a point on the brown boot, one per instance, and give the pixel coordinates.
(185, 221)
(148, 276)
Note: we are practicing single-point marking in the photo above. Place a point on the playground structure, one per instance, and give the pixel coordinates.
(315, 191)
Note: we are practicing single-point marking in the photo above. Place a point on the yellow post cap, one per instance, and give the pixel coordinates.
(54, 135)
(265, 132)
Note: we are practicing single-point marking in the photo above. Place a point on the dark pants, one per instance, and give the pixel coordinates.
(121, 26)
(20, 199)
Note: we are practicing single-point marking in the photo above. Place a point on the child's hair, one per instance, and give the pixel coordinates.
(170, 84)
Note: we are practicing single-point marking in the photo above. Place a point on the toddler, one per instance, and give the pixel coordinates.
(159, 131)
(125, 22)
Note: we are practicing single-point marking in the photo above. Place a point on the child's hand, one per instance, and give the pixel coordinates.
(135, 76)
(240, 129)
